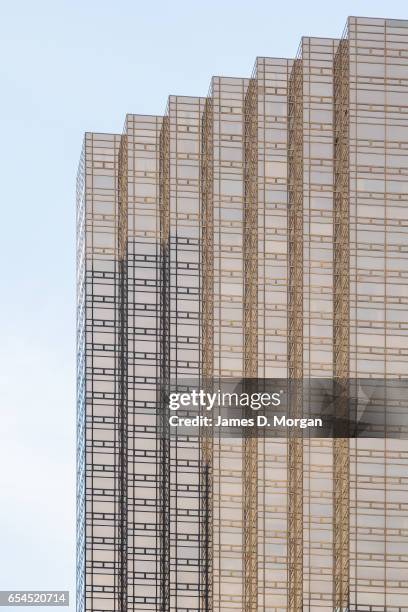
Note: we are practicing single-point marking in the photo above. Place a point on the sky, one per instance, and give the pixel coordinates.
(70, 66)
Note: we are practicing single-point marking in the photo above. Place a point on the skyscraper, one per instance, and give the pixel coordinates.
(258, 232)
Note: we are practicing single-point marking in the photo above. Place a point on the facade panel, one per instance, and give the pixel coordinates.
(101, 493)
(139, 195)
(317, 56)
(227, 107)
(378, 97)
(268, 175)
(183, 144)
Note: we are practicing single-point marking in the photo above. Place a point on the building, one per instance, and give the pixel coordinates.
(262, 232)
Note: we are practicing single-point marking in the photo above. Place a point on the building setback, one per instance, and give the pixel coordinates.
(258, 232)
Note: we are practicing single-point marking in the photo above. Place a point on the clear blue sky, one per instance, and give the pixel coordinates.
(70, 66)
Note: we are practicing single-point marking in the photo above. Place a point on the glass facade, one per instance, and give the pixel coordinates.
(180, 349)
(258, 232)
(375, 57)
(139, 192)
